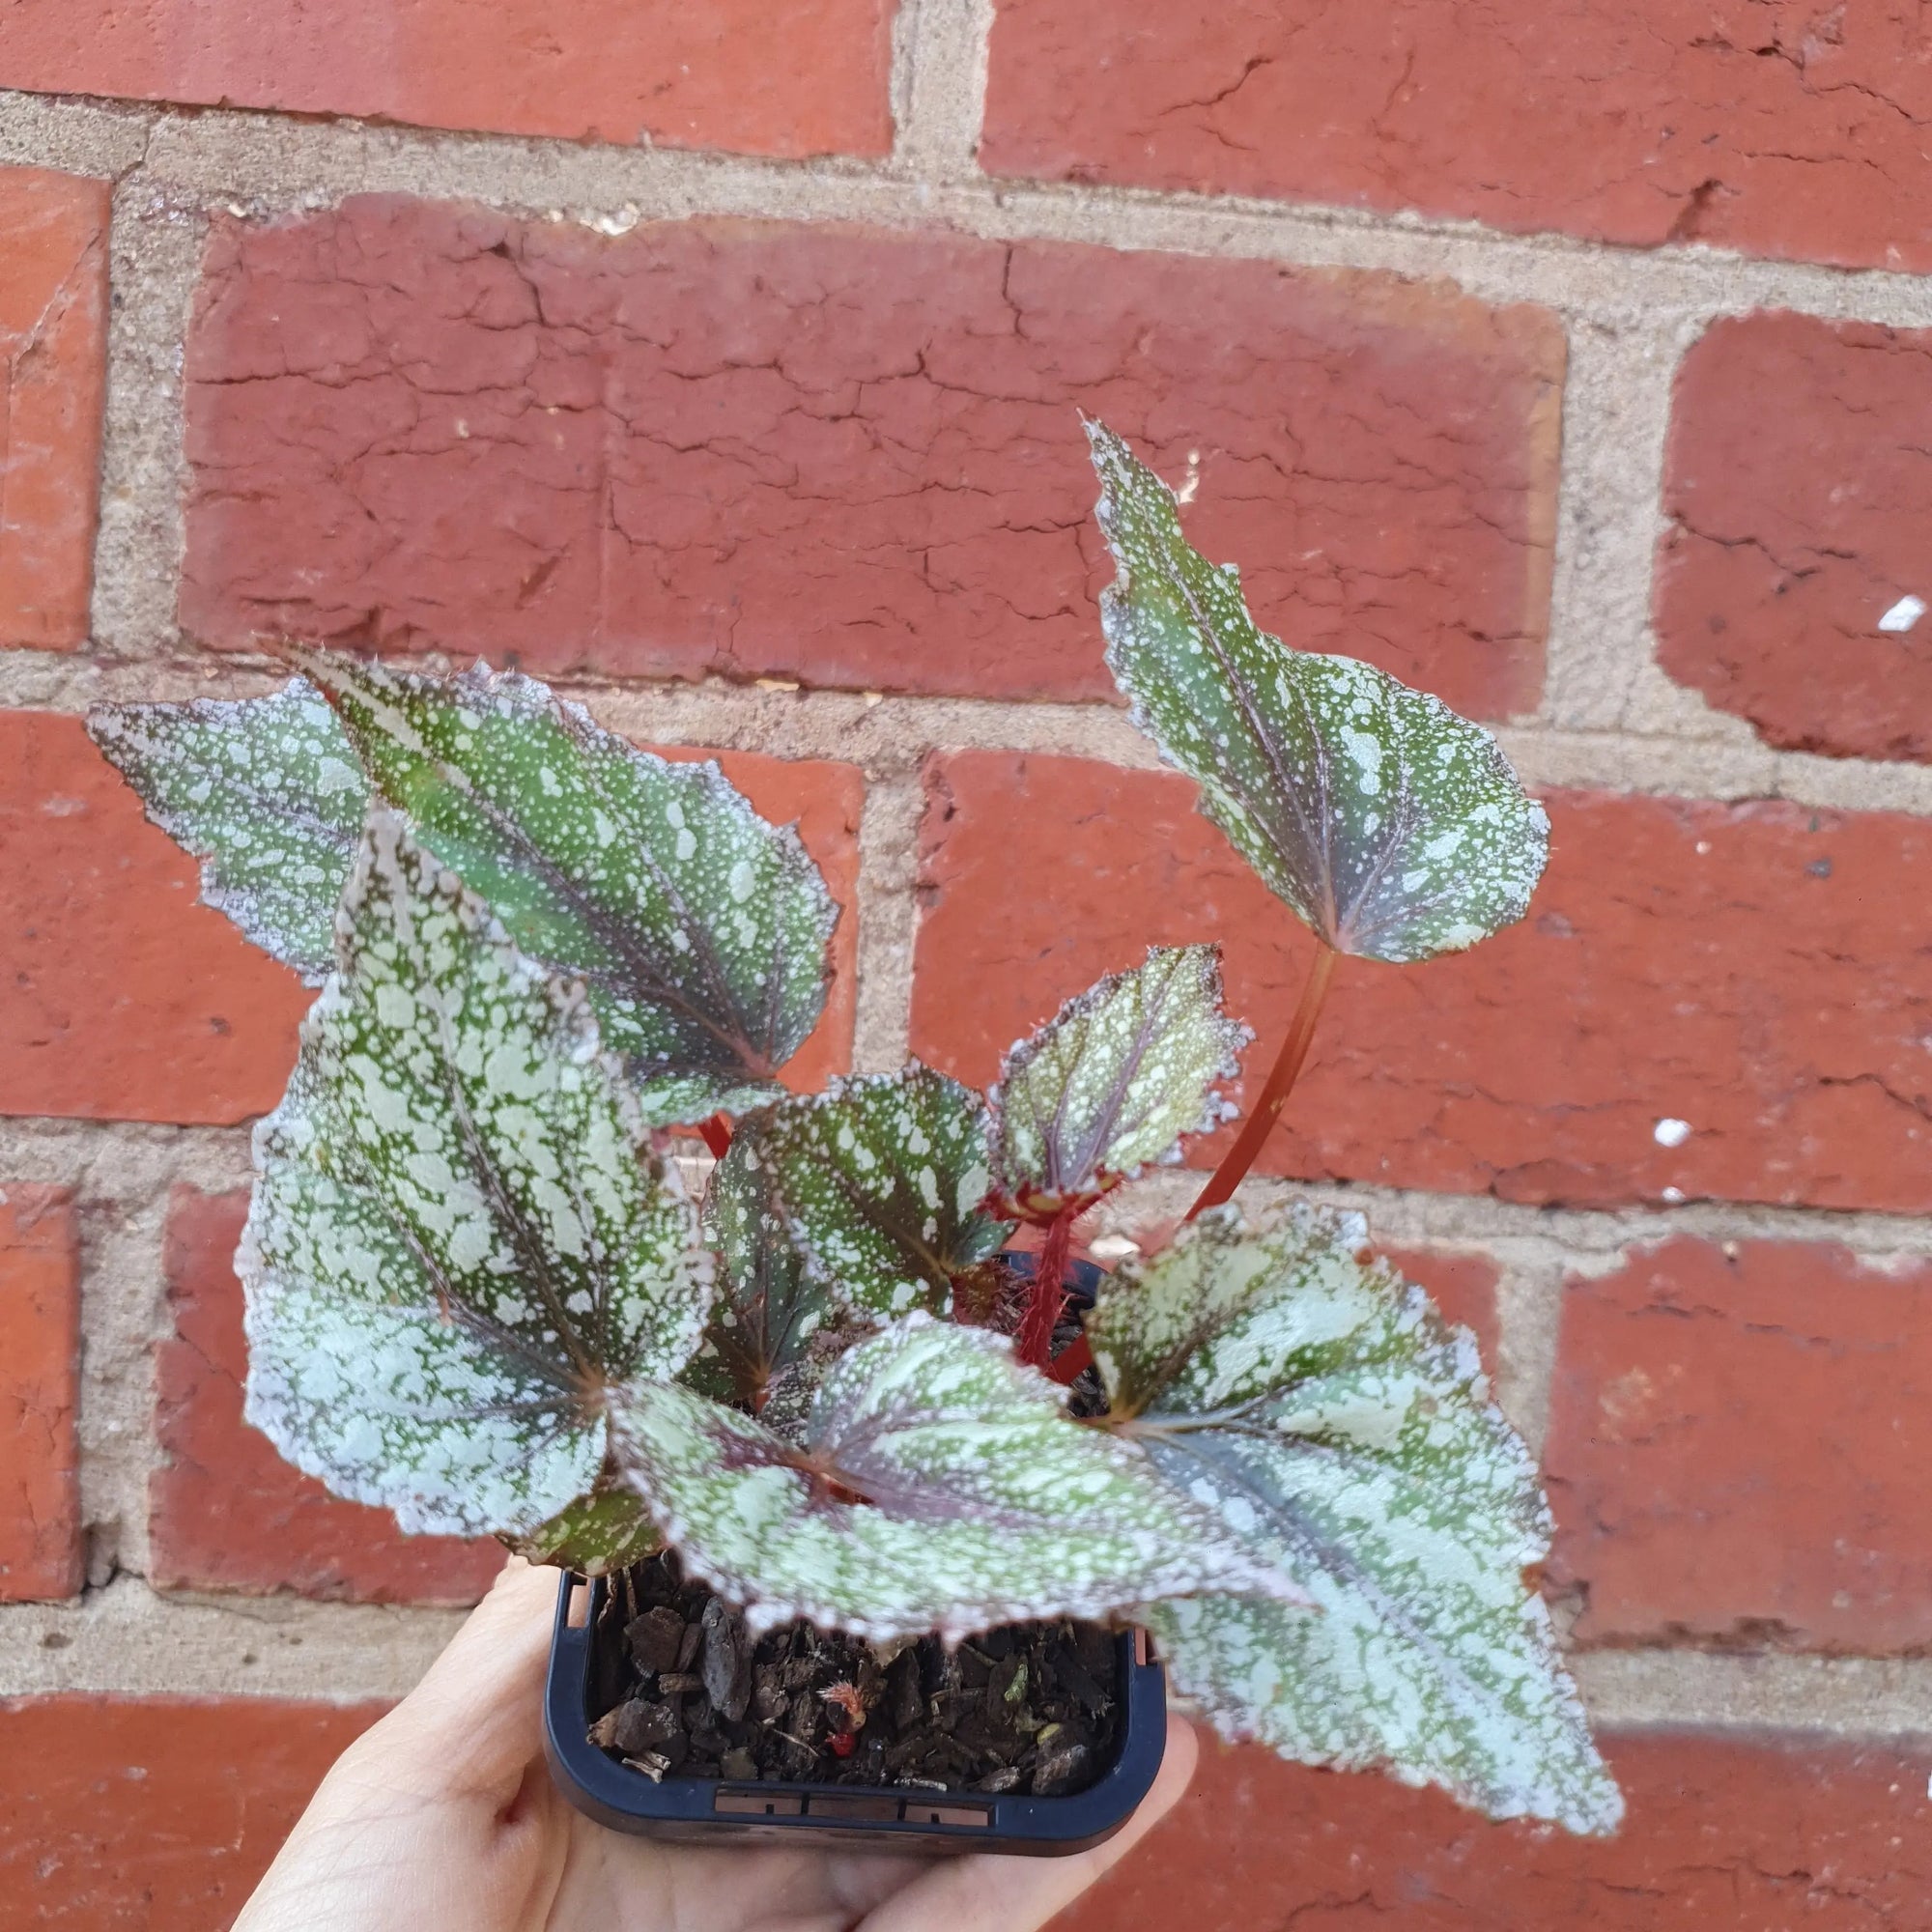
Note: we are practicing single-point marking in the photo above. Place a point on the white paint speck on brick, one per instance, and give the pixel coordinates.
(1670, 1133)
(1903, 614)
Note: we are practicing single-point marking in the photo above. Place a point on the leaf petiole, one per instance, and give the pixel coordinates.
(1035, 1343)
(1260, 1124)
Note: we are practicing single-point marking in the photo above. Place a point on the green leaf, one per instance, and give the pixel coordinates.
(1395, 829)
(983, 1502)
(772, 1306)
(1114, 1081)
(879, 1180)
(266, 792)
(700, 930)
(460, 1236)
(1322, 1406)
(597, 1535)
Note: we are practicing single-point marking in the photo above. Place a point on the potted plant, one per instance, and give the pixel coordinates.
(872, 1520)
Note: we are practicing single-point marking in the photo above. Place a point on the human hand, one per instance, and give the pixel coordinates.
(443, 1815)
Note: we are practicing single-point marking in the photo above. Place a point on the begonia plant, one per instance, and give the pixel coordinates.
(480, 1294)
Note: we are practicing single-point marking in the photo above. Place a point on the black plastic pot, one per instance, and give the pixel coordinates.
(708, 1810)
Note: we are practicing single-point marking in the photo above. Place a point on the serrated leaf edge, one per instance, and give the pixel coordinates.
(109, 724)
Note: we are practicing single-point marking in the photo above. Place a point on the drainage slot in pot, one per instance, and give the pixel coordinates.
(842, 1805)
(946, 1814)
(758, 1804)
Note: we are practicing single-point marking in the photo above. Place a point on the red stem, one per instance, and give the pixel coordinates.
(717, 1135)
(1260, 1124)
(1034, 1346)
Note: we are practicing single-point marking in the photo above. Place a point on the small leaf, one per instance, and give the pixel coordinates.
(983, 1502)
(700, 930)
(1114, 1081)
(1394, 828)
(597, 1535)
(267, 793)
(459, 1234)
(879, 1180)
(1321, 1404)
(772, 1306)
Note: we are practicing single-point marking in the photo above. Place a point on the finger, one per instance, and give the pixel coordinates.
(474, 1724)
(986, 1892)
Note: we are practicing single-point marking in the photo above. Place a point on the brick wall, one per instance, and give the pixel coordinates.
(720, 360)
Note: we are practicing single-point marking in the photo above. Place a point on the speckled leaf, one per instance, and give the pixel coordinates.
(771, 1306)
(880, 1181)
(598, 1534)
(1394, 828)
(1114, 1081)
(266, 792)
(983, 1503)
(458, 1236)
(1321, 1404)
(699, 929)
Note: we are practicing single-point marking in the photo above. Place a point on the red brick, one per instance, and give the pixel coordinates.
(127, 1000)
(1461, 1284)
(1759, 971)
(843, 456)
(1779, 128)
(763, 76)
(154, 1814)
(226, 1513)
(1737, 1442)
(1795, 529)
(40, 1551)
(53, 366)
(1744, 1832)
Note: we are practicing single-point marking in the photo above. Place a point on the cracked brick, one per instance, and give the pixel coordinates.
(1795, 530)
(786, 77)
(1737, 1441)
(53, 369)
(1757, 971)
(40, 1548)
(1777, 126)
(225, 1512)
(1727, 1832)
(155, 1814)
(843, 456)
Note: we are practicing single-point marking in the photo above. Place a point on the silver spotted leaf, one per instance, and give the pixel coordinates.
(938, 1486)
(1322, 1406)
(880, 1181)
(699, 929)
(460, 1238)
(771, 1306)
(267, 793)
(1395, 829)
(1112, 1082)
